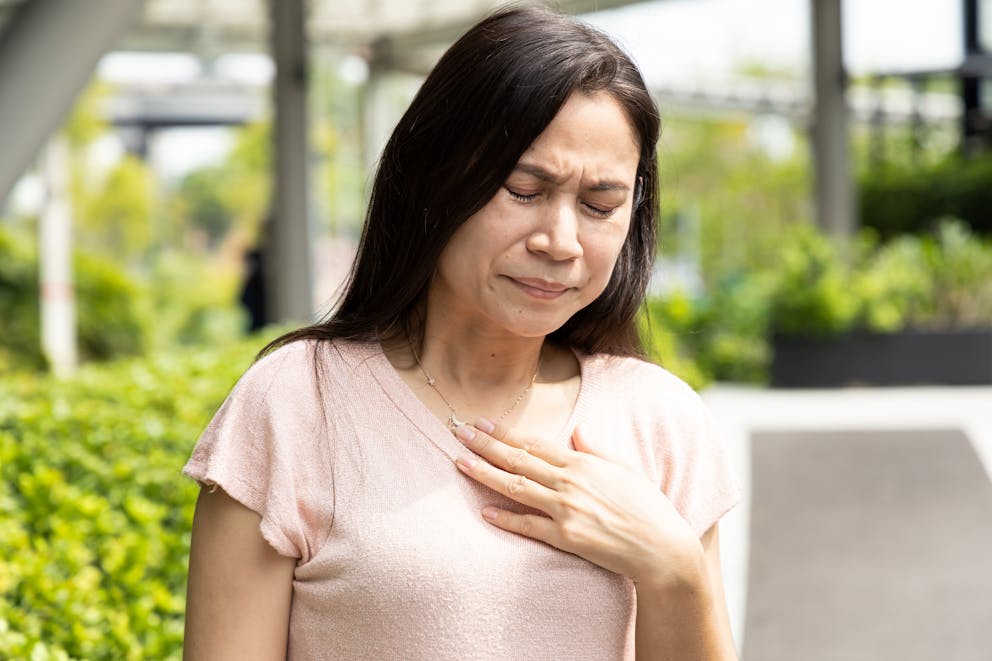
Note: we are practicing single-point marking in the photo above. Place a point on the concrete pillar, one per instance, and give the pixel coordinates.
(379, 114)
(47, 55)
(835, 207)
(58, 307)
(375, 118)
(287, 246)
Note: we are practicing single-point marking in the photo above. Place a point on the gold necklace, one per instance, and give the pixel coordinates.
(453, 420)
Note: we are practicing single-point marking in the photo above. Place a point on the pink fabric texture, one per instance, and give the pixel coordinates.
(395, 561)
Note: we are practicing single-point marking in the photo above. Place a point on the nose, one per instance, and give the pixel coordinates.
(557, 234)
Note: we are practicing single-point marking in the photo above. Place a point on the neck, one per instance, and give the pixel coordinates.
(471, 359)
(498, 379)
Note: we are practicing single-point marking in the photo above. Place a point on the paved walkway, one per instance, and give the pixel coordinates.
(743, 414)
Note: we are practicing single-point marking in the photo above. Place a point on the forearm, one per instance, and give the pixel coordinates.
(683, 619)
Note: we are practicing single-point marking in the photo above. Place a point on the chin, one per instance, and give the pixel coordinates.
(535, 327)
(534, 318)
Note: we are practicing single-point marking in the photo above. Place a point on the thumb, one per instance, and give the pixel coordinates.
(582, 444)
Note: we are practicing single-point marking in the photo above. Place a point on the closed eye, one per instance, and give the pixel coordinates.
(597, 212)
(591, 209)
(520, 196)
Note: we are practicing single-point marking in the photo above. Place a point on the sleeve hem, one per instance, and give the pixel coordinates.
(701, 524)
(248, 497)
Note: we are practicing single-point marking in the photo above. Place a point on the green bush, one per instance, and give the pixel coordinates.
(819, 290)
(737, 318)
(939, 281)
(94, 514)
(111, 314)
(961, 268)
(893, 289)
(19, 329)
(717, 337)
(910, 199)
(184, 299)
(812, 294)
(194, 301)
(665, 341)
(110, 318)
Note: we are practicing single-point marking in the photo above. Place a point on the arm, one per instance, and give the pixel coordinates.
(687, 620)
(240, 589)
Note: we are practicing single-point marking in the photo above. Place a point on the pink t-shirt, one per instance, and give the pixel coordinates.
(395, 561)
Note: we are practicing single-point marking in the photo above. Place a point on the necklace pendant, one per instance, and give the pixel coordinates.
(454, 423)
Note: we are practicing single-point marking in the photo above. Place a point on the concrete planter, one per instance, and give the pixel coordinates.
(952, 357)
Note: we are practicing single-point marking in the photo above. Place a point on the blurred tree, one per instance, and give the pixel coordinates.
(339, 178)
(116, 216)
(201, 200)
(725, 177)
(112, 208)
(247, 185)
(85, 123)
(233, 196)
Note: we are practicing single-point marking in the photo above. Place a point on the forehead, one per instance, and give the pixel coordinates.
(590, 137)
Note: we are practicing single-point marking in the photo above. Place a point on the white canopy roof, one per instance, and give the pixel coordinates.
(212, 27)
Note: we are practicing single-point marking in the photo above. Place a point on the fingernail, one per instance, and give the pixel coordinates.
(465, 432)
(465, 461)
(485, 424)
(490, 512)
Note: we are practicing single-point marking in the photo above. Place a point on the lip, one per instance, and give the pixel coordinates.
(538, 288)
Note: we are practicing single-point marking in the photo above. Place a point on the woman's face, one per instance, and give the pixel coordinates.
(545, 245)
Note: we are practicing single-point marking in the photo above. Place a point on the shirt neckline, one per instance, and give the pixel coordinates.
(433, 429)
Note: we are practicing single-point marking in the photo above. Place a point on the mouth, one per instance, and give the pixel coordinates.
(538, 288)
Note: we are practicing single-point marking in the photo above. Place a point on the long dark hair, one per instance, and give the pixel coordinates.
(487, 99)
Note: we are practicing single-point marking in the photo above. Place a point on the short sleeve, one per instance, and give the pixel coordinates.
(265, 447)
(660, 424)
(695, 472)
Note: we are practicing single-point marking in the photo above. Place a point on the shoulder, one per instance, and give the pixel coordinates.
(286, 357)
(297, 362)
(637, 380)
(651, 399)
(277, 369)
(296, 375)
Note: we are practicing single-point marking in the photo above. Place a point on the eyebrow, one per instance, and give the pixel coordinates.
(548, 176)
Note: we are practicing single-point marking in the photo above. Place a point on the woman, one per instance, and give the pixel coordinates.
(467, 460)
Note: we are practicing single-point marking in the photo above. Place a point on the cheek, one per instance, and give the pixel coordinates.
(606, 252)
(467, 258)
(454, 265)
(601, 266)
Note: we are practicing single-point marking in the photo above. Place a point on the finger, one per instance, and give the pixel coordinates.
(515, 487)
(529, 525)
(552, 453)
(512, 459)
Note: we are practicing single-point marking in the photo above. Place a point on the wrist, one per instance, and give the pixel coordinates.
(683, 572)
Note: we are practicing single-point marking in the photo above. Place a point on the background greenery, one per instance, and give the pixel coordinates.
(907, 198)
(94, 518)
(94, 515)
(120, 312)
(819, 288)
